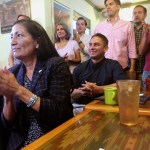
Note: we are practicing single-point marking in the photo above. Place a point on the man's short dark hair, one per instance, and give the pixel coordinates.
(118, 2)
(81, 18)
(103, 37)
(144, 9)
(25, 17)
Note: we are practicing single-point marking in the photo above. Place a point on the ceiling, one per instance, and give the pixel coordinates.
(99, 4)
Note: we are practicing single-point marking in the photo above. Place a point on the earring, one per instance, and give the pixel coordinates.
(37, 46)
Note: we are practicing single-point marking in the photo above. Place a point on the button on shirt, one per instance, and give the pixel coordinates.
(121, 39)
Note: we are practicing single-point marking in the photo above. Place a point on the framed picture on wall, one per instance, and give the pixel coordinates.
(9, 10)
(61, 14)
(76, 15)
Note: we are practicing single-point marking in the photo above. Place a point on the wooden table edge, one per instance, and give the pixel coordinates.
(107, 108)
(37, 144)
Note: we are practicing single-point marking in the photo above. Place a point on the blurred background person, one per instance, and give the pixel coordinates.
(144, 49)
(82, 38)
(36, 92)
(67, 48)
(139, 15)
(11, 59)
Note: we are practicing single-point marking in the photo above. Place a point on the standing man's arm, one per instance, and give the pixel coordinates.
(132, 48)
(133, 63)
(82, 44)
(77, 38)
(145, 39)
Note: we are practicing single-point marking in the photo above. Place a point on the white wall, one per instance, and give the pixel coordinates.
(41, 11)
(4, 48)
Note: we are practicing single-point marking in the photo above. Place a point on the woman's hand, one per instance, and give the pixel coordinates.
(8, 83)
(66, 57)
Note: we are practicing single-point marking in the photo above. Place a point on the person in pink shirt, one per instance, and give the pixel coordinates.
(120, 35)
(144, 49)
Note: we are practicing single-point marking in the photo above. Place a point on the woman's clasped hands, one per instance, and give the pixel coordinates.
(8, 83)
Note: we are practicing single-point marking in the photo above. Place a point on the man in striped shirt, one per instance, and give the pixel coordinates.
(139, 15)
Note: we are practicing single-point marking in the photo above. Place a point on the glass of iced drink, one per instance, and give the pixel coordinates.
(128, 99)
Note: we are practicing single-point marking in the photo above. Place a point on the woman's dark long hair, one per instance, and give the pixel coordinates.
(46, 49)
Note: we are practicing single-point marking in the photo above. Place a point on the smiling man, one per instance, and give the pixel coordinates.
(91, 76)
(120, 35)
(82, 38)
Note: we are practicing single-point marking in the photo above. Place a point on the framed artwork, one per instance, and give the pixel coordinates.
(61, 14)
(9, 10)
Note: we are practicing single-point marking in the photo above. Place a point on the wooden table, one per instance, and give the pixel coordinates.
(91, 130)
(99, 105)
(97, 127)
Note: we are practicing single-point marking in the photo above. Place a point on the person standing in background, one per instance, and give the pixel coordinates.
(144, 49)
(120, 35)
(67, 48)
(139, 15)
(11, 59)
(82, 38)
